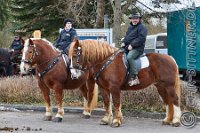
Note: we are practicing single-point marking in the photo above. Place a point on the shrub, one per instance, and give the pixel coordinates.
(26, 91)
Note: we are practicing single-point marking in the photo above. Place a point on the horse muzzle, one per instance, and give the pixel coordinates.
(25, 69)
(75, 74)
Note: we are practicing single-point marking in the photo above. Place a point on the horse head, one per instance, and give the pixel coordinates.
(86, 54)
(75, 59)
(28, 57)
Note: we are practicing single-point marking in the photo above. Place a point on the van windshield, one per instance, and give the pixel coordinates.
(161, 42)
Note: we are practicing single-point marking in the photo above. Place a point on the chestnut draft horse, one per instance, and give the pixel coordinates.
(162, 72)
(52, 73)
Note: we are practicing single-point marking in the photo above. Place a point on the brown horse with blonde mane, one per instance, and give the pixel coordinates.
(162, 72)
(52, 72)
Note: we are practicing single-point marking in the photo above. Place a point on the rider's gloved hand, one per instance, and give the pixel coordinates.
(130, 47)
(122, 45)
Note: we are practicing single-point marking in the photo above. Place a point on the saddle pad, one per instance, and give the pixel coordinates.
(66, 59)
(141, 62)
(144, 62)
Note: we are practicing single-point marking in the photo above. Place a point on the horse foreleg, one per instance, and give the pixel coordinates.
(107, 119)
(90, 93)
(46, 92)
(84, 92)
(117, 107)
(59, 96)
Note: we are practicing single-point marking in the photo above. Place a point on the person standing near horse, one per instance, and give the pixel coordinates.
(66, 36)
(134, 42)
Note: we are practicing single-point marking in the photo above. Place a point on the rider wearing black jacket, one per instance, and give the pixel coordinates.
(66, 36)
(136, 36)
(17, 43)
(134, 42)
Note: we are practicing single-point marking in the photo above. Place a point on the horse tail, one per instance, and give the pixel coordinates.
(95, 97)
(177, 87)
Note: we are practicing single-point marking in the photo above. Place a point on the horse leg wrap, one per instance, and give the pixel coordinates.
(116, 122)
(47, 116)
(86, 115)
(106, 120)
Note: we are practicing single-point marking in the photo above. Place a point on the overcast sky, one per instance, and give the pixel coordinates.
(171, 7)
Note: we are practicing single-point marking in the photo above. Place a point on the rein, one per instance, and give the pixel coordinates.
(35, 53)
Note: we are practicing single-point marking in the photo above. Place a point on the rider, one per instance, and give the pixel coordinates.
(66, 36)
(16, 54)
(134, 41)
(17, 44)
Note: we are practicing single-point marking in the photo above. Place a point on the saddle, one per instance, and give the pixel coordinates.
(141, 62)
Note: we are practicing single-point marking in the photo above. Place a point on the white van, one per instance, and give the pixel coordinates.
(156, 43)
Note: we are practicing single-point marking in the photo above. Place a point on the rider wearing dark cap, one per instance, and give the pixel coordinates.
(66, 36)
(134, 41)
(17, 43)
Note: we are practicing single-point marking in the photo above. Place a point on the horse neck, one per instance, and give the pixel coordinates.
(96, 57)
(46, 55)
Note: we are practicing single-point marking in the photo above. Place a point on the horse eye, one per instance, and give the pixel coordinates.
(30, 52)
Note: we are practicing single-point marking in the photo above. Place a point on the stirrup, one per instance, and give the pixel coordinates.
(134, 81)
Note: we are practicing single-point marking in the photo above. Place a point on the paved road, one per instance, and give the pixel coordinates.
(28, 122)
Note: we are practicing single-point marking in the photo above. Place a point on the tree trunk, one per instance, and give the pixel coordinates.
(100, 14)
(116, 5)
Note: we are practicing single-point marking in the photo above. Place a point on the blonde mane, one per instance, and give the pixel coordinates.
(93, 50)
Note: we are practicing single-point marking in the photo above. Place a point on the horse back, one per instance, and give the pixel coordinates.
(162, 66)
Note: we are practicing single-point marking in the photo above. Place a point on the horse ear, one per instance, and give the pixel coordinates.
(30, 42)
(76, 41)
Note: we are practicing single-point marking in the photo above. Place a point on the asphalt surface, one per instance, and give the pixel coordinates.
(31, 121)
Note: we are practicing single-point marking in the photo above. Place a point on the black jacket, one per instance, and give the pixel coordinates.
(136, 36)
(65, 38)
(16, 44)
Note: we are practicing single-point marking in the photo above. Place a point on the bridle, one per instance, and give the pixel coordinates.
(78, 65)
(34, 53)
(78, 58)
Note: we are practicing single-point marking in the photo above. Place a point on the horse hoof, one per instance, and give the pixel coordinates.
(86, 116)
(115, 124)
(47, 118)
(102, 122)
(177, 124)
(165, 123)
(57, 119)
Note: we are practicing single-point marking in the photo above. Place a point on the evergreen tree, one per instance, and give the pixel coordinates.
(29, 15)
(3, 13)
